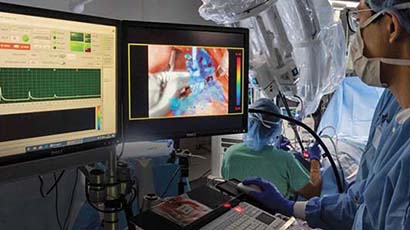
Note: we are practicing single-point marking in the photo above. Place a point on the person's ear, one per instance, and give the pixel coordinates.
(393, 27)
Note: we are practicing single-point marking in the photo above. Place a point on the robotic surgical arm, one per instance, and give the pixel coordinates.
(78, 6)
(291, 48)
(270, 49)
(297, 49)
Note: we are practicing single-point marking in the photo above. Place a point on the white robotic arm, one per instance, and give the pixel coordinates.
(290, 46)
(77, 6)
(270, 49)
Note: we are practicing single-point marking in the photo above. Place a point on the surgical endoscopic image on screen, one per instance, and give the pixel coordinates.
(187, 81)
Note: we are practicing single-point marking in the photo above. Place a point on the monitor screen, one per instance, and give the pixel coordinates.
(184, 81)
(57, 80)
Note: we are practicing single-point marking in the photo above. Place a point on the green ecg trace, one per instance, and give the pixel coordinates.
(40, 84)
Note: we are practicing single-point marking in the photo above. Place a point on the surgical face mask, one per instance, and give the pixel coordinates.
(368, 69)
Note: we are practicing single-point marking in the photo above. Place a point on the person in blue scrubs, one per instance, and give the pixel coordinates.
(386, 110)
(380, 198)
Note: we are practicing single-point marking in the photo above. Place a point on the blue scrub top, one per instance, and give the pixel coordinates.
(386, 110)
(385, 200)
(373, 201)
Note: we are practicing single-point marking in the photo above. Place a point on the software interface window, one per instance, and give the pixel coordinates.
(187, 81)
(57, 83)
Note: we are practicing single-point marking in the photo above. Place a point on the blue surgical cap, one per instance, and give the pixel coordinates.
(403, 15)
(263, 129)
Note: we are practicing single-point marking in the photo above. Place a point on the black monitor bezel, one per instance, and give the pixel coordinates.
(189, 27)
(54, 14)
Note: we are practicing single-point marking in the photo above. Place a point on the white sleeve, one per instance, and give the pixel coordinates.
(299, 210)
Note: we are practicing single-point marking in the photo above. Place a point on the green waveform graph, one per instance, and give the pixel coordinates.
(46, 84)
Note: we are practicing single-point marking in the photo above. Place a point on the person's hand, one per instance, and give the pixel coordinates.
(163, 87)
(314, 152)
(270, 197)
(284, 143)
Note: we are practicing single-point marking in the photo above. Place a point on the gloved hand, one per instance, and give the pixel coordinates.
(270, 197)
(314, 152)
(163, 86)
(284, 143)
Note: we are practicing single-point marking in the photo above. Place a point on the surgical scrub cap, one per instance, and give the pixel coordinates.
(403, 15)
(263, 129)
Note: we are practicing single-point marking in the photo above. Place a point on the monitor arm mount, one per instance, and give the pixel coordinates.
(183, 156)
(110, 191)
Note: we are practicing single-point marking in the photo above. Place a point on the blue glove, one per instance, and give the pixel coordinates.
(314, 152)
(270, 197)
(284, 143)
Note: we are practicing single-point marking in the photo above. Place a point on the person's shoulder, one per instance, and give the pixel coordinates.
(236, 148)
(280, 154)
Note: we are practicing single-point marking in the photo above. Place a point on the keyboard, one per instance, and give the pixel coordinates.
(246, 216)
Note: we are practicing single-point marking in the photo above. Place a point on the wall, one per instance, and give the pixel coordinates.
(176, 11)
(49, 4)
(118, 9)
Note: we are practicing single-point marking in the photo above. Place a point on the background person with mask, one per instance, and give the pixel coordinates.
(259, 156)
(381, 198)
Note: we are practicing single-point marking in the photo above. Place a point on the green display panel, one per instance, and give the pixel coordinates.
(77, 37)
(26, 85)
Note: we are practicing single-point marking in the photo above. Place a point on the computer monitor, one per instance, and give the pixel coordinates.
(58, 82)
(184, 80)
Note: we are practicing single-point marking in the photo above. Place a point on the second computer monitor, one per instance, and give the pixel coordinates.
(184, 81)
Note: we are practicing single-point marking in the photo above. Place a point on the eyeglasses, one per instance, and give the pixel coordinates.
(353, 16)
(353, 19)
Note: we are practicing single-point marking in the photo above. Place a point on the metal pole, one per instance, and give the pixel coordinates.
(111, 219)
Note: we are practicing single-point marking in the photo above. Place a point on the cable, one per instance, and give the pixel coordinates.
(122, 150)
(337, 155)
(285, 103)
(215, 179)
(134, 197)
(170, 181)
(56, 201)
(44, 195)
(320, 142)
(137, 190)
(204, 148)
(122, 131)
(302, 106)
(128, 210)
(328, 127)
(71, 200)
(41, 187)
(53, 187)
(331, 141)
(206, 173)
